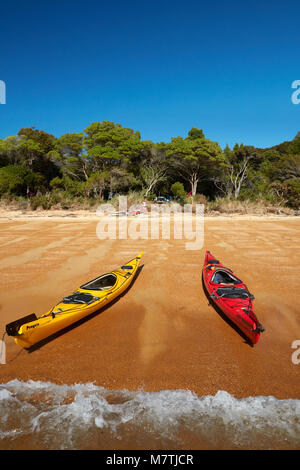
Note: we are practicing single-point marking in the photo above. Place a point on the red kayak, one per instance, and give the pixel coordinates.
(232, 297)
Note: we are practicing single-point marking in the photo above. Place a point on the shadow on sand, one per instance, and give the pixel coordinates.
(225, 318)
(50, 338)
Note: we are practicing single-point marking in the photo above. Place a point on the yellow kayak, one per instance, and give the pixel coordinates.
(87, 299)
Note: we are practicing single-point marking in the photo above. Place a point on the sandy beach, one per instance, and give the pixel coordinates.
(163, 334)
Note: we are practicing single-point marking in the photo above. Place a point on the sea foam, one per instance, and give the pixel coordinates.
(44, 415)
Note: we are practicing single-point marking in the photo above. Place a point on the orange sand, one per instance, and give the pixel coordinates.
(162, 334)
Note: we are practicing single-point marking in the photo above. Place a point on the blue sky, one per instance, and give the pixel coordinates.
(160, 67)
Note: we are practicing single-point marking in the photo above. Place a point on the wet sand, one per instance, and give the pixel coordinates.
(162, 334)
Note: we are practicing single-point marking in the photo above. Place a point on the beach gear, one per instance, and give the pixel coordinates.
(231, 296)
(87, 299)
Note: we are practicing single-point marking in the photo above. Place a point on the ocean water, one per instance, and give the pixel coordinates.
(43, 415)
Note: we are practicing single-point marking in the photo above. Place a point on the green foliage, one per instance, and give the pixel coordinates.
(121, 180)
(107, 159)
(291, 191)
(44, 141)
(17, 180)
(194, 158)
(108, 144)
(294, 146)
(195, 133)
(178, 190)
(97, 183)
(34, 149)
(151, 196)
(57, 183)
(286, 167)
(70, 156)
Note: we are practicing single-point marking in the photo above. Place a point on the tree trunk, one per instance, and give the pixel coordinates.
(238, 179)
(194, 183)
(150, 187)
(83, 167)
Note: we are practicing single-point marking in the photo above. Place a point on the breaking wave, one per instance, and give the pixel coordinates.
(43, 415)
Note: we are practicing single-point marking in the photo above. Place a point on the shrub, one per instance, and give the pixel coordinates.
(40, 201)
(200, 199)
(92, 202)
(151, 196)
(133, 198)
(235, 206)
(178, 190)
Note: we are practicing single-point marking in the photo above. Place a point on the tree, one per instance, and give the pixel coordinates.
(235, 168)
(70, 155)
(31, 152)
(35, 149)
(152, 173)
(194, 157)
(45, 141)
(10, 151)
(17, 180)
(121, 180)
(286, 167)
(277, 192)
(195, 133)
(108, 145)
(96, 183)
(3, 154)
(238, 163)
(154, 168)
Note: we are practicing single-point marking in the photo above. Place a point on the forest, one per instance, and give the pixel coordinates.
(39, 170)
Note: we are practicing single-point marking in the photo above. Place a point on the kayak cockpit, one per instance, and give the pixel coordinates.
(224, 277)
(104, 282)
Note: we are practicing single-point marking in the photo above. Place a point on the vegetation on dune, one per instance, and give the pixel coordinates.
(83, 169)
